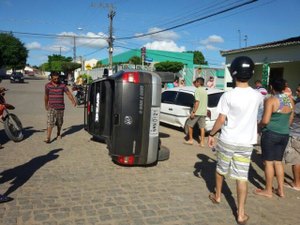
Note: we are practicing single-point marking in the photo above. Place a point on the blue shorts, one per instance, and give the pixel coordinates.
(273, 145)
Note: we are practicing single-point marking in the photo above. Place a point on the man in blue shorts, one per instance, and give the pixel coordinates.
(237, 120)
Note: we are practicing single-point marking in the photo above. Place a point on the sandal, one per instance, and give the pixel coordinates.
(188, 142)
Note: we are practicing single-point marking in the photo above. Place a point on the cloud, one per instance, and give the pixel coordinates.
(162, 36)
(210, 43)
(89, 40)
(165, 46)
(212, 39)
(33, 46)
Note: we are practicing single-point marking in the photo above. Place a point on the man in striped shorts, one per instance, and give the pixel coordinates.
(237, 120)
(55, 105)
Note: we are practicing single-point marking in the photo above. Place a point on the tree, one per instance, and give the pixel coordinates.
(98, 64)
(198, 58)
(135, 60)
(59, 63)
(13, 53)
(174, 67)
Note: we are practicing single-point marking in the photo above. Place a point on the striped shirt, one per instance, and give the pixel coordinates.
(56, 95)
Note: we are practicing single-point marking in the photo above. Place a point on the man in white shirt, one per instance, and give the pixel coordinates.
(237, 120)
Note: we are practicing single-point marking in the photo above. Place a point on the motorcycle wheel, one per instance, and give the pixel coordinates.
(13, 128)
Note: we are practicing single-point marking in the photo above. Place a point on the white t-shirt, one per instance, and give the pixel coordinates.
(240, 105)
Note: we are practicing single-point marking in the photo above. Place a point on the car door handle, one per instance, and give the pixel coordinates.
(170, 109)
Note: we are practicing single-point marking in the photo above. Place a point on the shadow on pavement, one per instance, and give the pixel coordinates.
(72, 130)
(3, 137)
(29, 131)
(163, 135)
(206, 169)
(19, 175)
(253, 177)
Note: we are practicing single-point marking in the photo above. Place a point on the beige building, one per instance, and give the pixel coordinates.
(272, 60)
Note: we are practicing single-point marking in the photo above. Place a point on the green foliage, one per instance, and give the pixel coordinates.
(98, 64)
(13, 53)
(199, 58)
(169, 66)
(60, 63)
(135, 60)
(86, 77)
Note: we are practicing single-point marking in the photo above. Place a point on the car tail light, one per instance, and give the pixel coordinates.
(131, 77)
(88, 107)
(208, 114)
(128, 160)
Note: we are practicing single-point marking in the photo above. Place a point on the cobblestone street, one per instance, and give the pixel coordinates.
(73, 180)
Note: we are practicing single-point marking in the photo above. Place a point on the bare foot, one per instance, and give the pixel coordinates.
(263, 193)
(279, 193)
(242, 220)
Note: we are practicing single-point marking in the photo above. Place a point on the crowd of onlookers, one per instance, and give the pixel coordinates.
(244, 113)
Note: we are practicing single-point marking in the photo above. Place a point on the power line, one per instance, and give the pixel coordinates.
(51, 35)
(189, 22)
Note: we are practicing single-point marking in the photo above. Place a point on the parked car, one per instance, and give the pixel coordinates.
(176, 105)
(17, 77)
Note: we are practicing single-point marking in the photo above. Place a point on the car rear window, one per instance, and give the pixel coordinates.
(213, 99)
(185, 99)
(168, 97)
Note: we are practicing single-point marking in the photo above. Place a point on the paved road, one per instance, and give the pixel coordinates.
(73, 181)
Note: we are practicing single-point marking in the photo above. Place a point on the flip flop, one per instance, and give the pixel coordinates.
(291, 186)
(260, 192)
(188, 143)
(4, 198)
(212, 198)
(243, 222)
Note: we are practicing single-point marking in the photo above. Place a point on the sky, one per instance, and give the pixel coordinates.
(50, 27)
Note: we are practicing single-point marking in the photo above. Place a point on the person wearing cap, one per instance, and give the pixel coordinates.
(237, 121)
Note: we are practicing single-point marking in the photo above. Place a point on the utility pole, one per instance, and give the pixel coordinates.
(110, 39)
(245, 39)
(239, 31)
(74, 49)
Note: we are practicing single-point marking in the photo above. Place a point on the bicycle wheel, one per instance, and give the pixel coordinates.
(13, 128)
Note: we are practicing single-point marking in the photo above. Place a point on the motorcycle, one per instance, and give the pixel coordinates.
(12, 125)
(79, 94)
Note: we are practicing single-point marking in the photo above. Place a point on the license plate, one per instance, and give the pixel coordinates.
(154, 122)
(17, 79)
